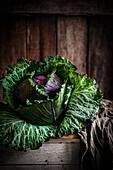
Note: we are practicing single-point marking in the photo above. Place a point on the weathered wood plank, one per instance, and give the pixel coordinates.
(41, 37)
(41, 167)
(56, 152)
(63, 140)
(101, 53)
(12, 41)
(72, 40)
(79, 7)
(33, 38)
(48, 37)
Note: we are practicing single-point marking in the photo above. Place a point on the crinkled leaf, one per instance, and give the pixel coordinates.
(58, 105)
(20, 135)
(37, 113)
(83, 105)
(12, 77)
(62, 66)
(23, 92)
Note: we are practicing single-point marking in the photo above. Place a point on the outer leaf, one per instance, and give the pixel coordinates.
(20, 135)
(12, 77)
(62, 66)
(83, 105)
(37, 113)
(59, 106)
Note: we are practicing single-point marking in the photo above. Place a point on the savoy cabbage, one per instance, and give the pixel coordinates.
(45, 99)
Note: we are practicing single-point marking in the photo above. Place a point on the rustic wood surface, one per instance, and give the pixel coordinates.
(78, 7)
(54, 152)
(72, 40)
(101, 53)
(48, 37)
(33, 38)
(41, 37)
(41, 167)
(12, 42)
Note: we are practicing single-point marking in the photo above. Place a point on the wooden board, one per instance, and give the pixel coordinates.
(41, 167)
(48, 37)
(54, 152)
(41, 37)
(33, 38)
(72, 40)
(78, 7)
(101, 54)
(12, 41)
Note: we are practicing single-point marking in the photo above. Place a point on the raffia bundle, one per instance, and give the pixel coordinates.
(97, 153)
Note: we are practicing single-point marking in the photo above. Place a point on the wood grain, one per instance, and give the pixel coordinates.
(64, 139)
(12, 41)
(72, 7)
(41, 37)
(54, 152)
(101, 54)
(72, 40)
(41, 167)
(48, 37)
(33, 38)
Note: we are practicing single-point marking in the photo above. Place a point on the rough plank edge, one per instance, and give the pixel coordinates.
(62, 140)
(48, 154)
(40, 167)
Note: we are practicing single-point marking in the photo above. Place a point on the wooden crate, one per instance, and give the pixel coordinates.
(57, 153)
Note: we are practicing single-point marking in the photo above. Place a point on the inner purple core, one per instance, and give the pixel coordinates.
(40, 80)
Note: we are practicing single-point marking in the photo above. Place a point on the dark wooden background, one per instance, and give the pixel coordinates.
(82, 35)
(81, 31)
(87, 41)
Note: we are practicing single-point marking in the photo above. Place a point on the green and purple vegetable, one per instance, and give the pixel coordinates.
(45, 99)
